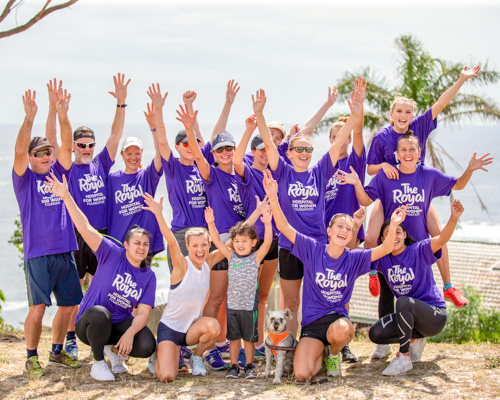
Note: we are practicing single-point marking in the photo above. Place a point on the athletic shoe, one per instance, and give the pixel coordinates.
(117, 361)
(151, 363)
(260, 353)
(100, 371)
(182, 365)
(250, 372)
(223, 350)
(242, 359)
(455, 295)
(416, 349)
(382, 351)
(348, 355)
(332, 363)
(71, 348)
(185, 353)
(214, 361)
(233, 372)
(399, 365)
(63, 359)
(198, 368)
(33, 366)
(374, 285)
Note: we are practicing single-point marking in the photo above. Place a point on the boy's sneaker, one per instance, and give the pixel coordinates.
(333, 364)
(185, 353)
(33, 366)
(348, 355)
(374, 285)
(198, 368)
(71, 348)
(117, 361)
(214, 361)
(151, 363)
(63, 359)
(454, 294)
(233, 372)
(182, 365)
(223, 350)
(250, 372)
(260, 353)
(399, 365)
(382, 351)
(242, 359)
(100, 371)
(416, 349)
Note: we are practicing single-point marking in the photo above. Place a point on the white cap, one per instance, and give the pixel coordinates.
(131, 141)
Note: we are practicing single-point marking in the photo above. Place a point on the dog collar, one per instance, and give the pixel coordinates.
(277, 338)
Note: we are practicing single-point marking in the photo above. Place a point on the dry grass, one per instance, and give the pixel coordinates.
(446, 371)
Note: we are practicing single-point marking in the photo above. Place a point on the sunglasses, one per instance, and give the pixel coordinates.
(41, 153)
(227, 148)
(301, 149)
(85, 145)
(185, 144)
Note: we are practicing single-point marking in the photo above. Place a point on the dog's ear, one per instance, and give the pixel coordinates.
(289, 314)
(268, 312)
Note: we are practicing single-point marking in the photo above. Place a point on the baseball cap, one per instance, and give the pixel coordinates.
(131, 141)
(83, 132)
(223, 139)
(38, 143)
(257, 143)
(277, 125)
(182, 137)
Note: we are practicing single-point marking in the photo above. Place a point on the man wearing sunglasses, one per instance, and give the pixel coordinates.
(48, 235)
(88, 181)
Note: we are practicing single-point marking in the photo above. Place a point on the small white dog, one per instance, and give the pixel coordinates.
(279, 336)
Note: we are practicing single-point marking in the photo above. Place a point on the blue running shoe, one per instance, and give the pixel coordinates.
(260, 353)
(242, 359)
(223, 350)
(214, 361)
(182, 364)
(198, 368)
(72, 349)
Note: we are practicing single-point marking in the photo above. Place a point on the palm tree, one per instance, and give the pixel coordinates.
(424, 79)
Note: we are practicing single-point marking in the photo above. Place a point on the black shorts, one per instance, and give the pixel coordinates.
(317, 329)
(272, 254)
(165, 333)
(86, 261)
(290, 267)
(242, 324)
(222, 265)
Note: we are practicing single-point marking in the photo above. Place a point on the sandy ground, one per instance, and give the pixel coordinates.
(446, 372)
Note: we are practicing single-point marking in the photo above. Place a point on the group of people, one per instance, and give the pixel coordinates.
(238, 217)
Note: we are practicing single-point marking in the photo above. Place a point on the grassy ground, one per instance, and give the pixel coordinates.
(446, 372)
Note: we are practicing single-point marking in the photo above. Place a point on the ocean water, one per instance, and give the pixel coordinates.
(460, 142)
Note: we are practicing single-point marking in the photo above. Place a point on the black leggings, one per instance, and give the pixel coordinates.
(95, 328)
(413, 319)
(386, 299)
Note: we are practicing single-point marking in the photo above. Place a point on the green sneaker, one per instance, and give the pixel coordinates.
(63, 359)
(332, 363)
(33, 366)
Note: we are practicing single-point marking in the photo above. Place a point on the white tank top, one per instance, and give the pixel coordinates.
(186, 302)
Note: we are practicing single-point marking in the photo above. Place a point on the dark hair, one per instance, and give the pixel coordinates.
(410, 136)
(408, 241)
(141, 231)
(244, 229)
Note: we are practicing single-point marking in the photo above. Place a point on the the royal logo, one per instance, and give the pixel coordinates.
(128, 193)
(304, 192)
(41, 187)
(195, 186)
(398, 275)
(90, 183)
(234, 196)
(331, 280)
(127, 286)
(409, 195)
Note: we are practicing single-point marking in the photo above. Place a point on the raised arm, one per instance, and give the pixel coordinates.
(158, 101)
(271, 188)
(252, 219)
(120, 94)
(474, 164)
(359, 217)
(21, 160)
(357, 140)
(352, 178)
(250, 125)
(231, 92)
(266, 219)
(51, 124)
(66, 148)
(447, 96)
(89, 234)
(440, 240)
(311, 125)
(214, 233)
(188, 98)
(259, 101)
(398, 216)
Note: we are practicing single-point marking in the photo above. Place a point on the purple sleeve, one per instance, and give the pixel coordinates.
(105, 249)
(105, 160)
(425, 254)
(363, 263)
(168, 167)
(374, 187)
(279, 172)
(206, 150)
(423, 125)
(153, 175)
(325, 168)
(149, 294)
(305, 249)
(375, 152)
(443, 184)
(359, 164)
(61, 170)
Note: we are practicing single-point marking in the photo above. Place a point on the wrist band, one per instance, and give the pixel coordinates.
(121, 105)
(153, 130)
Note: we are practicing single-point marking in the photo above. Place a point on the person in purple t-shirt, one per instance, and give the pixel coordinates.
(123, 282)
(381, 155)
(88, 182)
(420, 308)
(302, 192)
(330, 271)
(48, 234)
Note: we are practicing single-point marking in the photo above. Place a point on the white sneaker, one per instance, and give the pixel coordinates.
(100, 371)
(117, 361)
(198, 368)
(399, 365)
(382, 351)
(416, 349)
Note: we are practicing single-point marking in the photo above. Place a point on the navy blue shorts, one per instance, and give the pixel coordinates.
(165, 333)
(317, 329)
(53, 273)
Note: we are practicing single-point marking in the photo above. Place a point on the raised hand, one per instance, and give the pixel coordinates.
(232, 91)
(30, 107)
(398, 216)
(259, 101)
(267, 215)
(479, 163)
(332, 95)
(470, 73)
(62, 103)
(120, 92)
(150, 116)
(251, 123)
(360, 87)
(261, 204)
(209, 215)
(355, 104)
(155, 95)
(60, 189)
(457, 209)
(390, 171)
(270, 185)
(187, 119)
(152, 205)
(359, 216)
(189, 97)
(344, 178)
(53, 88)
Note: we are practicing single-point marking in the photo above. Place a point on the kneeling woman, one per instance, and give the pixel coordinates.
(328, 283)
(420, 308)
(181, 323)
(122, 282)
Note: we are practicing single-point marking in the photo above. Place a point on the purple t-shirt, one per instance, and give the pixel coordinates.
(410, 273)
(224, 198)
(328, 282)
(125, 201)
(117, 284)
(301, 196)
(282, 149)
(249, 187)
(47, 226)
(186, 194)
(417, 190)
(385, 141)
(342, 198)
(206, 150)
(88, 185)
